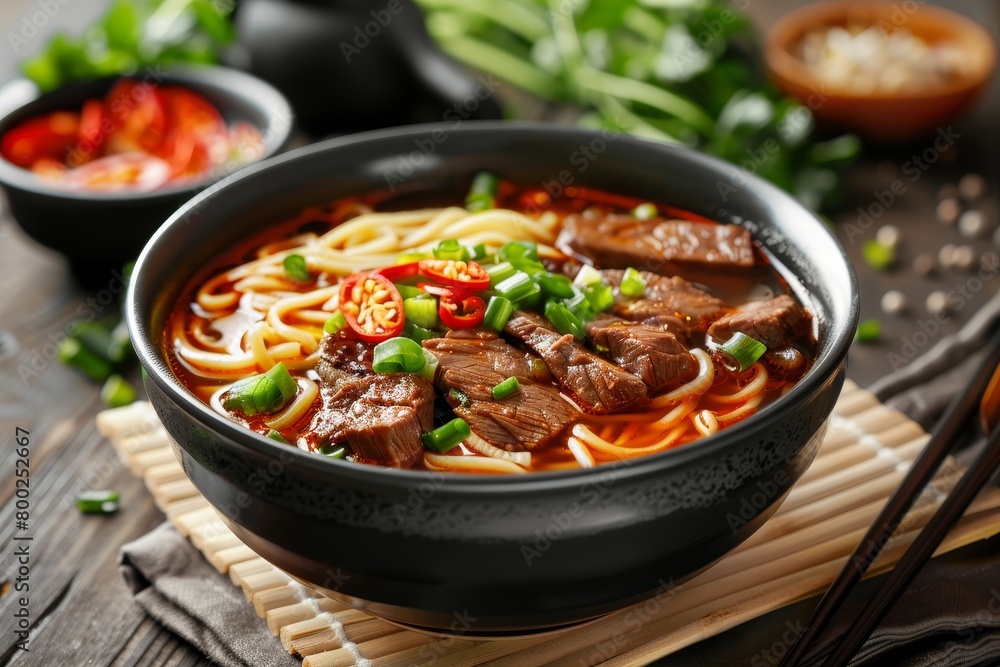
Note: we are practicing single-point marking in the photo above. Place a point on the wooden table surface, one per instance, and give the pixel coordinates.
(80, 610)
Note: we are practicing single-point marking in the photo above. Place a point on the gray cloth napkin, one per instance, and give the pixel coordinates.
(175, 585)
(949, 617)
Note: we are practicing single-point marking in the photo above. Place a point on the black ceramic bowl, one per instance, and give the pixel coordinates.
(100, 231)
(514, 552)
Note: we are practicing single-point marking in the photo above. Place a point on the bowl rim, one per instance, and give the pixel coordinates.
(782, 64)
(827, 366)
(255, 91)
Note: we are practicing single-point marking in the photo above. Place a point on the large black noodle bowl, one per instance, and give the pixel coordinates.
(514, 553)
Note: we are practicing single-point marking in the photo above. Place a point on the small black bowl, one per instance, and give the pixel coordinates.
(515, 553)
(101, 231)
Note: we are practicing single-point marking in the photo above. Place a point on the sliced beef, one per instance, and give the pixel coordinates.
(667, 247)
(473, 363)
(654, 355)
(666, 297)
(776, 323)
(596, 385)
(379, 416)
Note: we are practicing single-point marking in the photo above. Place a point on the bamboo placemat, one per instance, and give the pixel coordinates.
(867, 450)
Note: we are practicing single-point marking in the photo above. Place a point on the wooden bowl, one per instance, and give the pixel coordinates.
(881, 116)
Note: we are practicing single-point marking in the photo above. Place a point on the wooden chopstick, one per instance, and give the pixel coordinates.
(968, 487)
(948, 429)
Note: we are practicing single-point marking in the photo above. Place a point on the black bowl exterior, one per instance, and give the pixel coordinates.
(100, 232)
(513, 553)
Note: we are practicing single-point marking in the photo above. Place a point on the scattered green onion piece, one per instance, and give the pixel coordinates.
(445, 437)
(498, 311)
(744, 349)
(500, 272)
(460, 397)
(506, 388)
(94, 336)
(408, 291)
(430, 366)
(519, 286)
(580, 307)
(869, 331)
(398, 355)
(411, 256)
(295, 267)
(483, 192)
(451, 249)
(588, 275)
(117, 391)
(518, 250)
(478, 251)
(120, 347)
(422, 311)
(336, 322)
(418, 334)
(645, 211)
(72, 353)
(554, 285)
(877, 255)
(274, 435)
(268, 392)
(632, 283)
(533, 301)
(600, 296)
(333, 452)
(98, 501)
(564, 320)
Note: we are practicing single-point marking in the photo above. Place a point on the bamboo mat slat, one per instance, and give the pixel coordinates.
(797, 553)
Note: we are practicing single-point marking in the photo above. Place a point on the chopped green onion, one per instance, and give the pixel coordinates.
(518, 250)
(588, 275)
(398, 355)
(120, 347)
(422, 311)
(533, 301)
(519, 286)
(483, 192)
(445, 437)
(500, 272)
(94, 336)
(408, 291)
(72, 353)
(460, 397)
(418, 334)
(869, 331)
(478, 251)
(744, 349)
(295, 267)
(336, 322)
(878, 256)
(117, 391)
(564, 320)
(580, 307)
(600, 296)
(633, 283)
(275, 435)
(98, 501)
(554, 285)
(430, 366)
(451, 249)
(645, 211)
(506, 388)
(333, 452)
(268, 392)
(411, 256)
(498, 311)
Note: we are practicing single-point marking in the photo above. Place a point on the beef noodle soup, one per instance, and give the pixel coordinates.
(509, 333)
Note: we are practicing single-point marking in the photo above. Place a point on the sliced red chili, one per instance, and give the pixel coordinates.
(91, 133)
(138, 117)
(400, 271)
(459, 311)
(456, 273)
(48, 136)
(372, 306)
